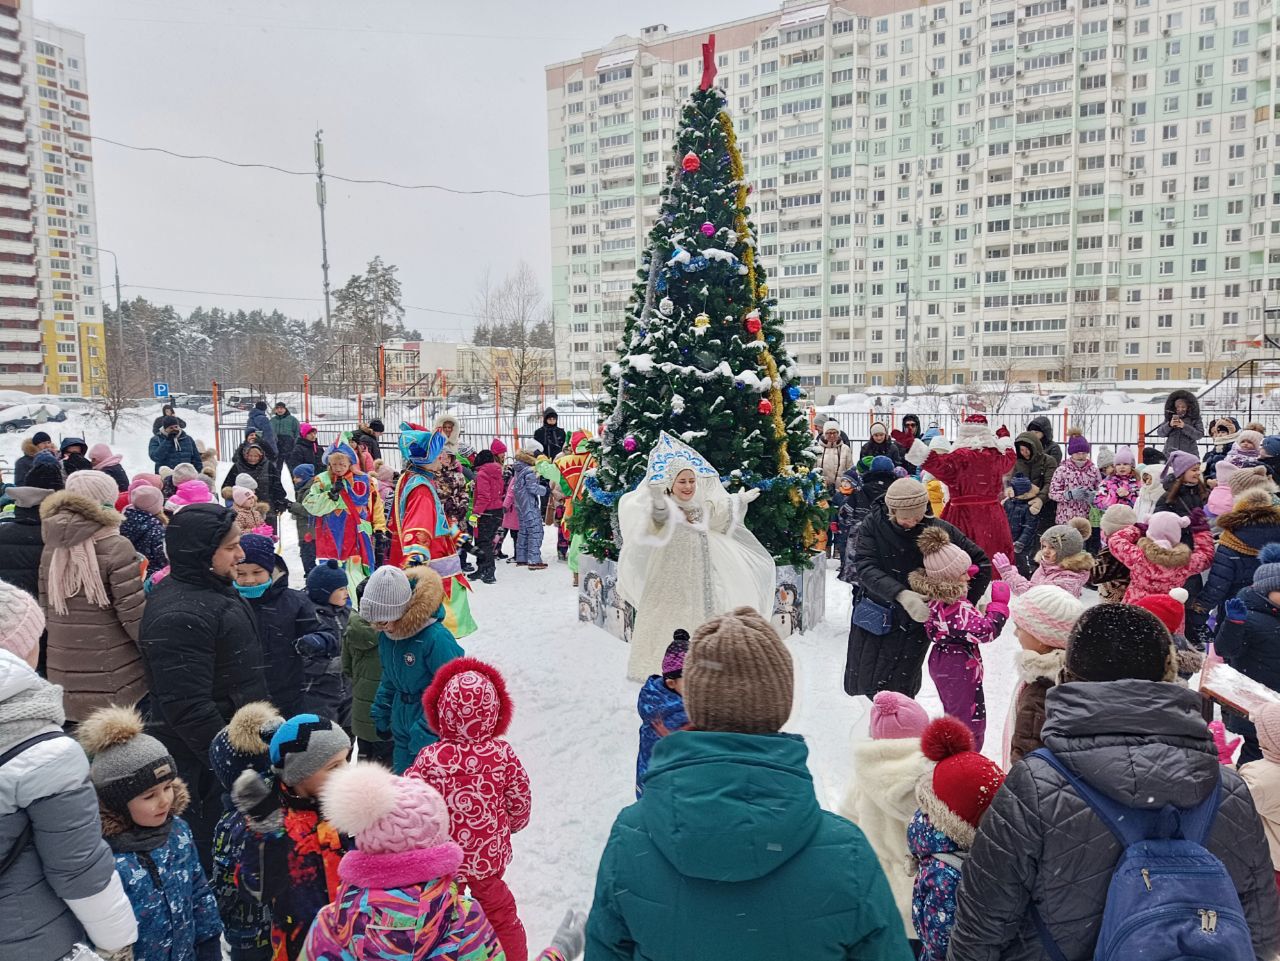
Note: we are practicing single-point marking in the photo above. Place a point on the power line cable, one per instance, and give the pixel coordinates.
(311, 300)
(328, 176)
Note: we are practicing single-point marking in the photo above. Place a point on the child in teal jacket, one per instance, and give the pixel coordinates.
(407, 609)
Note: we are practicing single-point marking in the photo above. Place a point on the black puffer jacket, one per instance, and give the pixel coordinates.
(21, 545)
(1142, 743)
(291, 633)
(550, 436)
(1045, 427)
(199, 639)
(306, 452)
(1252, 647)
(260, 472)
(884, 556)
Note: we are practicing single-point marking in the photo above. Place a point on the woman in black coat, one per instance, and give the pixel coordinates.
(886, 553)
(880, 444)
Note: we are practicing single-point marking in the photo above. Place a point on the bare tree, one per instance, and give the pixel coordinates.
(126, 383)
(992, 395)
(510, 320)
(926, 369)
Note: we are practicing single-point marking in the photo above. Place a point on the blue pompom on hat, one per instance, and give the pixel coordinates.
(325, 578)
(1267, 577)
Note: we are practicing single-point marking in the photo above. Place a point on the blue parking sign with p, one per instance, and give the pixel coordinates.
(161, 390)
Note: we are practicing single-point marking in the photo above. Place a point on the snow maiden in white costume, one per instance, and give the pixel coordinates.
(686, 555)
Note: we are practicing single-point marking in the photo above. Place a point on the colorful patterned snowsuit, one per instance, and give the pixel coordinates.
(956, 628)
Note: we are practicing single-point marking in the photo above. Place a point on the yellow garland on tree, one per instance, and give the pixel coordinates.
(762, 291)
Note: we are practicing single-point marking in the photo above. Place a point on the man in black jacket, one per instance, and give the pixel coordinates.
(21, 539)
(200, 648)
(549, 435)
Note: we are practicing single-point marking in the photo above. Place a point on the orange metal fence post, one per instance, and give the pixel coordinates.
(1063, 435)
(217, 435)
(1142, 435)
(306, 397)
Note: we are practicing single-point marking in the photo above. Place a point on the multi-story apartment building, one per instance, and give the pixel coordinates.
(63, 214)
(21, 358)
(986, 190)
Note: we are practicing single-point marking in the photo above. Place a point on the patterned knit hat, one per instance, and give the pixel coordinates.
(325, 578)
(943, 561)
(96, 486)
(962, 784)
(21, 621)
(1165, 528)
(906, 497)
(1047, 613)
(302, 745)
(1117, 517)
(124, 762)
(673, 659)
(1267, 720)
(243, 743)
(387, 814)
(1064, 539)
(1113, 642)
(738, 675)
(1266, 578)
(1246, 479)
(1168, 607)
(259, 549)
(895, 716)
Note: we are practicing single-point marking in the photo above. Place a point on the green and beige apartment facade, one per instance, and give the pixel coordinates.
(1058, 190)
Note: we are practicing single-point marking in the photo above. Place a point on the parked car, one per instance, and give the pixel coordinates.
(11, 425)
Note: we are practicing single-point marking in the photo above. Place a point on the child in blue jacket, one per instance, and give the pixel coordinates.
(407, 609)
(1022, 523)
(661, 704)
(139, 799)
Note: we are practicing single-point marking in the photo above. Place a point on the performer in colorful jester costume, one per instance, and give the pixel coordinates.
(421, 533)
(348, 511)
(571, 465)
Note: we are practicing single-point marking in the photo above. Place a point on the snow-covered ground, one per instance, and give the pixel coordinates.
(575, 725)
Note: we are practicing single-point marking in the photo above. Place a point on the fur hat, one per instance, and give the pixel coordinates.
(1124, 455)
(895, 716)
(881, 464)
(1266, 578)
(1113, 642)
(907, 497)
(943, 561)
(1267, 720)
(738, 675)
(1117, 517)
(1047, 613)
(387, 593)
(1021, 484)
(244, 744)
(957, 792)
(677, 651)
(1179, 463)
(21, 621)
(303, 745)
(975, 425)
(259, 549)
(1247, 479)
(124, 762)
(96, 486)
(1168, 607)
(146, 498)
(325, 578)
(1064, 539)
(1076, 442)
(1165, 528)
(386, 814)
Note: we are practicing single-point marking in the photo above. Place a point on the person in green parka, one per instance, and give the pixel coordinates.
(407, 610)
(363, 665)
(727, 854)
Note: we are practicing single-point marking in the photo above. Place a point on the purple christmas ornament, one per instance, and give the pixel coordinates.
(708, 228)
(629, 444)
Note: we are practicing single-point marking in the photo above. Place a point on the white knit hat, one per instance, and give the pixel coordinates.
(1047, 613)
(831, 424)
(21, 620)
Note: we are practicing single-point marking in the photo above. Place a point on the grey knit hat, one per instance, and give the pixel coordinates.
(304, 744)
(1117, 517)
(124, 762)
(1064, 539)
(906, 496)
(386, 597)
(246, 481)
(738, 675)
(1266, 578)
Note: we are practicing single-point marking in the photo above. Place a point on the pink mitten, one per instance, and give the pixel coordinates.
(1226, 748)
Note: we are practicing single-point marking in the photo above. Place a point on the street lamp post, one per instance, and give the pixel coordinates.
(115, 262)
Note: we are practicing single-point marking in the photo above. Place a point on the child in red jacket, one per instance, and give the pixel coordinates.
(483, 783)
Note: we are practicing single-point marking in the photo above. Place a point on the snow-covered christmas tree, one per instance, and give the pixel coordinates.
(701, 355)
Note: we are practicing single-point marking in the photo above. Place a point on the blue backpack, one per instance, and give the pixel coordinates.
(1170, 899)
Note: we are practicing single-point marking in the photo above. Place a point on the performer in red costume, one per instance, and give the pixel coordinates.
(974, 473)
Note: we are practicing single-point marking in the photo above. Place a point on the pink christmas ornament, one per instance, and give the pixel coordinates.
(629, 444)
(708, 228)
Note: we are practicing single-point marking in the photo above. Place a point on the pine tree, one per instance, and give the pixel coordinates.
(701, 355)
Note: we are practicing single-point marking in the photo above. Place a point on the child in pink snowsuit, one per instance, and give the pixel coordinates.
(956, 627)
(1062, 559)
(1123, 485)
(1076, 480)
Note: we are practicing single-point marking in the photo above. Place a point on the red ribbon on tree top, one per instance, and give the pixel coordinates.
(708, 62)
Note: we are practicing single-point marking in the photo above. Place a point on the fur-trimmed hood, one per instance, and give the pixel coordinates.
(424, 605)
(114, 824)
(1033, 666)
(29, 448)
(467, 701)
(1179, 555)
(1077, 562)
(1249, 516)
(935, 589)
(68, 518)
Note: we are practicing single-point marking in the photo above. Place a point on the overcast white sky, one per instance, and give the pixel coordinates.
(413, 91)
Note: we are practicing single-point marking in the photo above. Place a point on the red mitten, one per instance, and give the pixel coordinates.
(1002, 431)
(902, 438)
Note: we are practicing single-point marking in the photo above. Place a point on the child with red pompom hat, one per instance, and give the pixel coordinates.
(953, 798)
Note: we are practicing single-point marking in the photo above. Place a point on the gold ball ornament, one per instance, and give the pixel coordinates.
(702, 320)
(762, 291)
